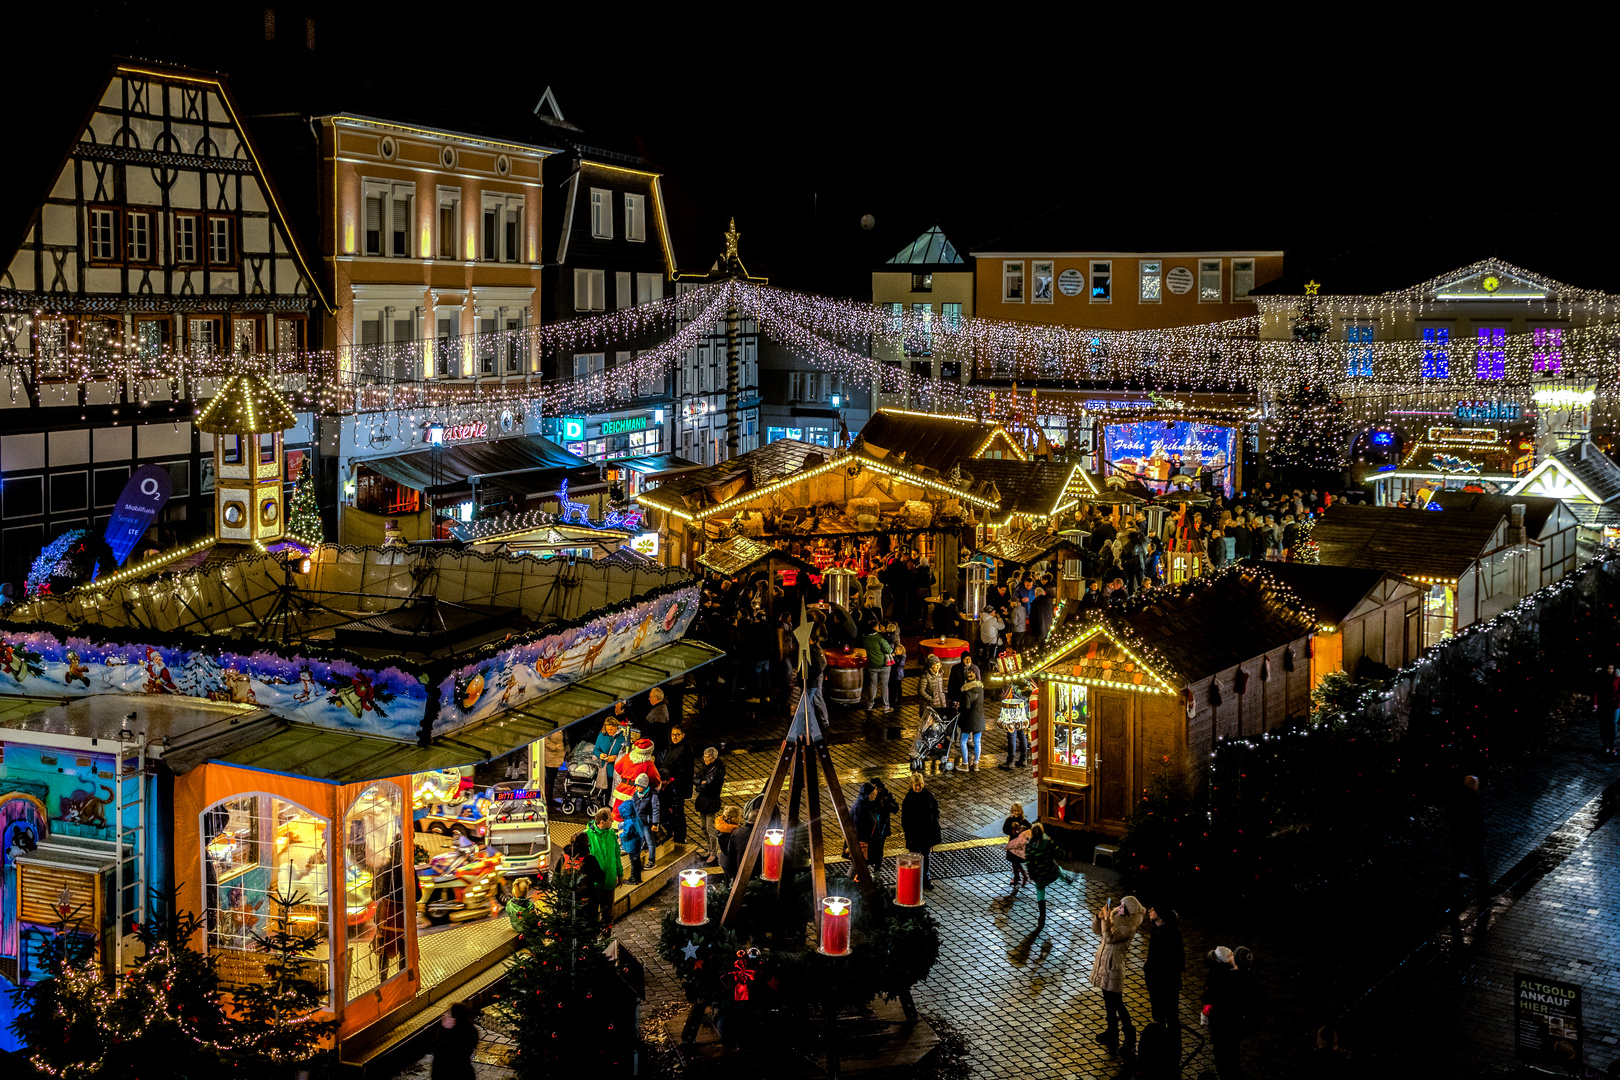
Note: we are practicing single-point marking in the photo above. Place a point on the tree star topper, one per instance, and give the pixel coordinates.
(1311, 287)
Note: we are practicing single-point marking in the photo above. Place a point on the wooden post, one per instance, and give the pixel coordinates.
(857, 862)
(756, 838)
(795, 793)
(818, 857)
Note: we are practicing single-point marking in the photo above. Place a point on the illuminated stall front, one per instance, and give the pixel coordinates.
(1479, 459)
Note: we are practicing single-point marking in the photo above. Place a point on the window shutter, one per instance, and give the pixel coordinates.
(621, 285)
(374, 213)
(582, 291)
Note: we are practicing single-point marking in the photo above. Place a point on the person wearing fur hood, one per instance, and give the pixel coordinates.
(1117, 928)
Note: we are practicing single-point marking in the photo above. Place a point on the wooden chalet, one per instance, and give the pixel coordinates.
(1368, 620)
(1549, 525)
(1586, 480)
(1126, 695)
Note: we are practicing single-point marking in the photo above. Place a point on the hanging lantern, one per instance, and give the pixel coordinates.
(908, 880)
(835, 926)
(771, 856)
(694, 904)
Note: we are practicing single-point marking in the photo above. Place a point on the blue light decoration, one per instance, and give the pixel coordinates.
(1432, 505)
(1382, 438)
(1436, 361)
(1359, 354)
(1547, 353)
(1490, 359)
(54, 561)
(1128, 447)
(574, 513)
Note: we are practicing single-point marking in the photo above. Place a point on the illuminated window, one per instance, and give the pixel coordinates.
(1070, 725)
(1358, 352)
(951, 315)
(1152, 281)
(374, 871)
(1209, 281)
(1012, 282)
(922, 282)
(1548, 351)
(1436, 362)
(263, 858)
(1102, 282)
(897, 317)
(1490, 359)
(602, 213)
(1242, 278)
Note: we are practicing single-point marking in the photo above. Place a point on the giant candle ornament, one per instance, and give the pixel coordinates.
(694, 898)
(835, 926)
(908, 880)
(771, 868)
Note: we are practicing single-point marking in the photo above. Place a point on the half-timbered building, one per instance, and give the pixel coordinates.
(158, 236)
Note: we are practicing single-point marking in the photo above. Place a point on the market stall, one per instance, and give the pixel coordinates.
(1480, 459)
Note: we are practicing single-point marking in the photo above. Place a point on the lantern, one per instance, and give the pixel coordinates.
(835, 926)
(840, 583)
(694, 904)
(974, 587)
(771, 867)
(908, 879)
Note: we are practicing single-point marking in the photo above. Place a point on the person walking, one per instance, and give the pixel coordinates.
(919, 820)
(1017, 623)
(990, 625)
(604, 844)
(1117, 928)
(971, 723)
(1224, 1008)
(878, 651)
(1605, 703)
(1040, 612)
(1162, 969)
(933, 682)
(1466, 816)
(1040, 852)
(707, 802)
(675, 769)
(868, 819)
(457, 1039)
(1016, 828)
(897, 665)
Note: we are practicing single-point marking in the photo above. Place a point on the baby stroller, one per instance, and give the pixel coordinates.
(936, 734)
(578, 781)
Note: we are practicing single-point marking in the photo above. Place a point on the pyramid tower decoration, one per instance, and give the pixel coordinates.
(247, 419)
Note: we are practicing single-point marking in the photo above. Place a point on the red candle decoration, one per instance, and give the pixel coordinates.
(908, 880)
(694, 910)
(772, 868)
(835, 926)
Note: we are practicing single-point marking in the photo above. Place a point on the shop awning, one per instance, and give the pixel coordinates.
(656, 464)
(460, 463)
(349, 757)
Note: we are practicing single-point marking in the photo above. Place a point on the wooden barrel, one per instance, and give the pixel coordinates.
(844, 685)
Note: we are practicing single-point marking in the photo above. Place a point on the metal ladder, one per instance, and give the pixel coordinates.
(130, 828)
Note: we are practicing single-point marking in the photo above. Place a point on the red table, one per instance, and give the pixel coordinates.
(949, 648)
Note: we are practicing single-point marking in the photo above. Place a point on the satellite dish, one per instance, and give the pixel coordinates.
(868, 222)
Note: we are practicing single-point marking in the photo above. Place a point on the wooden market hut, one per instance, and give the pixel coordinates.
(1367, 620)
(1063, 551)
(739, 557)
(1586, 480)
(1126, 695)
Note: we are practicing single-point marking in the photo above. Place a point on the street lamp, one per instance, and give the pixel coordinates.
(435, 438)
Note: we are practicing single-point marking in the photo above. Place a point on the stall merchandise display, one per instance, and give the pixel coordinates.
(1070, 720)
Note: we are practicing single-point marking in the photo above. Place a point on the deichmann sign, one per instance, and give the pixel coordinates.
(573, 428)
(1546, 1021)
(617, 427)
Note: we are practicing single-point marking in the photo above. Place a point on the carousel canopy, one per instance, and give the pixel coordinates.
(245, 405)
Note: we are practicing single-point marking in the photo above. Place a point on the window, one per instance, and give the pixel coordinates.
(1152, 281)
(921, 340)
(514, 345)
(951, 315)
(448, 218)
(1547, 352)
(602, 213)
(491, 234)
(1012, 282)
(1045, 277)
(103, 234)
(151, 336)
(512, 232)
(446, 345)
(374, 888)
(897, 317)
(486, 346)
(374, 224)
(220, 244)
(922, 282)
(1436, 362)
(203, 335)
(244, 336)
(1242, 278)
(635, 217)
(649, 288)
(1209, 281)
(1102, 282)
(140, 236)
(69, 492)
(588, 364)
(624, 289)
(1490, 359)
(590, 287)
(265, 867)
(1358, 352)
(400, 228)
(1070, 725)
(185, 238)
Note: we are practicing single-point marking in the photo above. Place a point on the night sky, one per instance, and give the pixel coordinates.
(1309, 132)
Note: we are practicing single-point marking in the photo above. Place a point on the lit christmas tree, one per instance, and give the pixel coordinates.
(303, 513)
(1308, 430)
(277, 1021)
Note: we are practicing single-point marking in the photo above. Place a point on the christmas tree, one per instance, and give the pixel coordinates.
(1309, 430)
(276, 1025)
(564, 998)
(303, 513)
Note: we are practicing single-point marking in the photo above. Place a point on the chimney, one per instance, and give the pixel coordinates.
(1516, 530)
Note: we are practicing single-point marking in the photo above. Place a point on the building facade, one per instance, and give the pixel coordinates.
(929, 277)
(159, 248)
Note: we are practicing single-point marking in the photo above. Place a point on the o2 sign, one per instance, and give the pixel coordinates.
(138, 504)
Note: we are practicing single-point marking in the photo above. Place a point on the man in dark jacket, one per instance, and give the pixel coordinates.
(1466, 817)
(707, 804)
(675, 767)
(1040, 613)
(1166, 959)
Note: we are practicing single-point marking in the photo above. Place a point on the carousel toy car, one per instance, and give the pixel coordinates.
(470, 819)
(461, 884)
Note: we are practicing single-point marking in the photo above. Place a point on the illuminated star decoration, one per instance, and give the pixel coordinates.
(1311, 287)
(773, 982)
(691, 950)
(802, 635)
(732, 236)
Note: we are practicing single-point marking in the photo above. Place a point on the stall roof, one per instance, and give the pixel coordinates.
(461, 462)
(768, 463)
(740, 554)
(656, 464)
(101, 717)
(1028, 545)
(348, 757)
(1538, 509)
(1331, 592)
(1592, 473)
(1425, 543)
(1036, 488)
(930, 440)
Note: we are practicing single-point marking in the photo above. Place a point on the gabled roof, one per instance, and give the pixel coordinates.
(1331, 592)
(734, 556)
(1419, 543)
(1027, 545)
(1538, 509)
(930, 440)
(932, 248)
(1592, 469)
(746, 472)
(1036, 488)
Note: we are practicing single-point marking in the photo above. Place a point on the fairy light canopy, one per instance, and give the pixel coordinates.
(246, 405)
